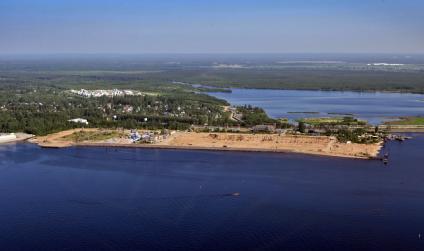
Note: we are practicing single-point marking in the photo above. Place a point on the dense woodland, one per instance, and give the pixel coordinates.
(301, 79)
(42, 110)
(35, 97)
(314, 72)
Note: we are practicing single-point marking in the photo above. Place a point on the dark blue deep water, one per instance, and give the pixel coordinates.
(141, 199)
(374, 107)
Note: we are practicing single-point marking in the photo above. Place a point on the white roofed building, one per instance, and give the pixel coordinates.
(78, 120)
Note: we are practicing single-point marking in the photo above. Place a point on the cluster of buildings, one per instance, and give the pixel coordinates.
(384, 64)
(107, 93)
(147, 137)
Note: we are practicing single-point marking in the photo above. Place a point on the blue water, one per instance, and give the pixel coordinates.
(374, 107)
(145, 199)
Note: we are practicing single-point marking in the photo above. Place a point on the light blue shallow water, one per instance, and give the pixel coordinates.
(372, 106)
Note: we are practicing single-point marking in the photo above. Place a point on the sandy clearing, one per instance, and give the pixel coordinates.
(56, 140)
(317, 145)
(321, 145)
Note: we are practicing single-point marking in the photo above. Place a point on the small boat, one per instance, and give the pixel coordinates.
(236, 194)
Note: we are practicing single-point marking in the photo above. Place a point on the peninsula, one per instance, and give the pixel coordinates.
(316, 145)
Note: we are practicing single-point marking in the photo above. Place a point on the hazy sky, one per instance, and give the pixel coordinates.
(211, 26)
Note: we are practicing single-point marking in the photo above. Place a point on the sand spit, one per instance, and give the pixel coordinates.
(316, 145)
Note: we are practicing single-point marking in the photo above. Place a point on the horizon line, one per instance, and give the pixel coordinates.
(201, 53)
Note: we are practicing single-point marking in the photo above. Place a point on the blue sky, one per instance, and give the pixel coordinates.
(213, 26)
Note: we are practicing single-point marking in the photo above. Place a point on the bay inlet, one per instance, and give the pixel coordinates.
(375, 107)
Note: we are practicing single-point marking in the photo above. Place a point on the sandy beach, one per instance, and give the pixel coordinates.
(320, 145)
(16, 137)
(316, 145)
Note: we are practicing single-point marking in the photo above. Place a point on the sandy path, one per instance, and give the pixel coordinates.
(56, 139)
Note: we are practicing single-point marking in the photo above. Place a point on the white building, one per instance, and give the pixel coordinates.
(107, 93)
(79, 120)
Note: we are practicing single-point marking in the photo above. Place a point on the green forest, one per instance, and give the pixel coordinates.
(35, 94)
(42, 110)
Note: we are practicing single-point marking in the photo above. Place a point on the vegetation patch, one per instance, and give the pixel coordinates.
(257, 116)
(41, 110)
(333, 121)
(359, 136)
(93, 136)
(407, 121)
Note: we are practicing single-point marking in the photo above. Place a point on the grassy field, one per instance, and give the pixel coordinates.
(93, 136)
(332, 120)
(408, 121)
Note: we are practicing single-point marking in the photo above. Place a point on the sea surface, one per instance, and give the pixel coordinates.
(374, 107)
(147, 199)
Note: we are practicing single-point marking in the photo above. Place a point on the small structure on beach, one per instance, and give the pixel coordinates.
(135, 136)
(263, 128)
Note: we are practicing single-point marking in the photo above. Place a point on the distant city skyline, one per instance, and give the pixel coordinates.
(200, 26)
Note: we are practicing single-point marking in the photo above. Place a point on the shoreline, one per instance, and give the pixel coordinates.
(396, 128)
(19, 138)
(323, 90)
(243, 142)
(226, 149)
